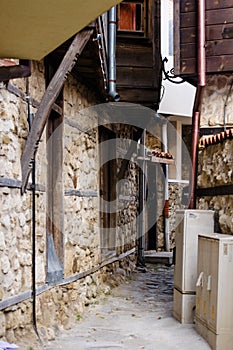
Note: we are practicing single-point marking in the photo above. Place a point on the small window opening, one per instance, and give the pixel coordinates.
(130, 16)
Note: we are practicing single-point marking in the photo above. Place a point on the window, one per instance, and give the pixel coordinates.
(131, 16)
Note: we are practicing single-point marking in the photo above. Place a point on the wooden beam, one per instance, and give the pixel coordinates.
(18, 71)
(48, 100)
(223, 190)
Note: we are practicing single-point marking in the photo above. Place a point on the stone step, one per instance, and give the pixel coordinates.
(155, 257)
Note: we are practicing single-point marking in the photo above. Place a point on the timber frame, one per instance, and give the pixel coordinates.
(48, 100)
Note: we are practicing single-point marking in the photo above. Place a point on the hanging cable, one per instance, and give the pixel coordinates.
(33, 187)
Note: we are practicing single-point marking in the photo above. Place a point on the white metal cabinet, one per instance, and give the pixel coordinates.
(214, 296)
(189, 223)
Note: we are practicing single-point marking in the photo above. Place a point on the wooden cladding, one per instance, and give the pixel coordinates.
(219, 36)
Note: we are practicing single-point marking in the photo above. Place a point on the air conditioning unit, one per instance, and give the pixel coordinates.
(189, 223)
(214, 299)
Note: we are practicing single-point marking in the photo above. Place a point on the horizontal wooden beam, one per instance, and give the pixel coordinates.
(48, 100)
(215, 191)
(13, 72)
(212, 131)
(81, 193)
(12, 183)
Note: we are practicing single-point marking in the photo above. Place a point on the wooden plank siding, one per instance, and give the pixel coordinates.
(138, 60)
(219, 36)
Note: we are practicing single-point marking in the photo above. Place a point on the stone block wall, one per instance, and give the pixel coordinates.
(215, 163)
(215, 97)
(84, 273)
(215, 169)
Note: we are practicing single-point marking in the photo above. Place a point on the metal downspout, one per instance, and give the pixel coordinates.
(33, 187)
(112, 55)
(166, 190)
(201, 57)
(141, 227)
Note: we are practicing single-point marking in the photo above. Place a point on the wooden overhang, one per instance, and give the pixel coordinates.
(219, 37)
(32, 29)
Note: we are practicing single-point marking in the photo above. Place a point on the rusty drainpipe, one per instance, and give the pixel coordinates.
(201, 58)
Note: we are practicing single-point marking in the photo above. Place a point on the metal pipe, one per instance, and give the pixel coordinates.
(201, 58)
(141, 229)
(33, 187)
(166, 190)
(112, 55)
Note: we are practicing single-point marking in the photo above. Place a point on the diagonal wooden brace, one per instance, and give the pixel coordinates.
(48, 100)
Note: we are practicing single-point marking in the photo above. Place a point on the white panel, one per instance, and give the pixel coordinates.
(184, 306)
(194, 222)
(214, 302)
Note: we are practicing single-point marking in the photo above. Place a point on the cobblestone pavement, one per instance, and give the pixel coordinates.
(136, 315)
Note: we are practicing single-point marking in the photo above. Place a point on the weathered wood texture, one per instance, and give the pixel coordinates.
(219, 36)
(13, 72)
(137, 76)
(48, 100)
(138, 60)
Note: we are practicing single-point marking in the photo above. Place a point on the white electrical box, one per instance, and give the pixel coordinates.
(189, 223)
(214, 296)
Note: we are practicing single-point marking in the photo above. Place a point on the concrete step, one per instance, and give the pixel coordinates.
(155, 257)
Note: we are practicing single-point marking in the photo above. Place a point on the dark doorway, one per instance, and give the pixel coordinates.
(107, 177)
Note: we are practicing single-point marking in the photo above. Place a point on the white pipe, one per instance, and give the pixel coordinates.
(112, 54)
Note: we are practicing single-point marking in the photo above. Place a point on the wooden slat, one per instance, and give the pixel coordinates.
(177, 37)
(213, 48)
(135, 77)
(190, 5)
(187, 6)
(214, 17)
(218, 32)
(218, 4)
(138, 95)
(134, 56)
(13, 72)
(187, 51)
(47, 101)
(213, 65)
(219, 16)
(219, 64)
(219, 47)
(188, 20)
(188, 35)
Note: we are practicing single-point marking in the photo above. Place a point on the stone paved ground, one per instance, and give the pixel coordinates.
(135, 315)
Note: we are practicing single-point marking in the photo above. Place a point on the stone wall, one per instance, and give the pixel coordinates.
(85, 275)
(215, 161)
(215, 97)
(175, 203)
(215, 169)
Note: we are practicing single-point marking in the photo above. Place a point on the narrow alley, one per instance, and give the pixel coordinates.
(135, 315)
